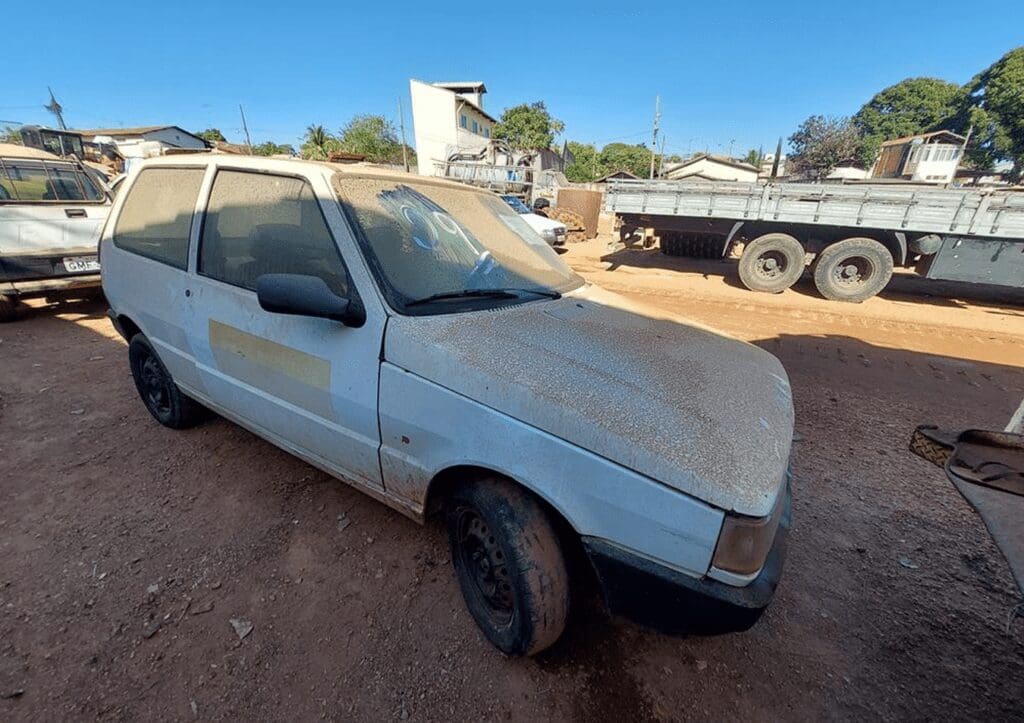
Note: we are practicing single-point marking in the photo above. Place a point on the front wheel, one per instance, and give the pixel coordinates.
(159, 393)
(772, 263)
(853, 270)
(509, 565)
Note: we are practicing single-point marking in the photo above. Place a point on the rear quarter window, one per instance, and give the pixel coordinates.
(156, 218)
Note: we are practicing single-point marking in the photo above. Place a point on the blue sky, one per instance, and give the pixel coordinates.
(730, 74)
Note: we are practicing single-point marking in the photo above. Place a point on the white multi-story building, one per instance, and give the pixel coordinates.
(448, 119)
(929, 157)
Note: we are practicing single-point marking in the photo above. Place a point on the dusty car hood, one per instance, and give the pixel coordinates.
(676, 402)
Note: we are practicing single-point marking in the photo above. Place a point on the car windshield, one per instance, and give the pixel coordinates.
(432, 242)
(517, 205)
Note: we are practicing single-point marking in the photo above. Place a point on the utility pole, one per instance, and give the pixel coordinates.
(401, 125)
(245, 128)
(661, 163)
(963, 149)
(654, 132)
(57, 109)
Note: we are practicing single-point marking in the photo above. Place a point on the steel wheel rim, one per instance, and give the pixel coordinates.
(771, 265)
(155, 385)
(482, 558)
(853, 271)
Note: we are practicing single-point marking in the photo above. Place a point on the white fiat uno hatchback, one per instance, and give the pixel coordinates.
(416, 339)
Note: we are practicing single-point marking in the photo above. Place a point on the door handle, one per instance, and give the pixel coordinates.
(75, 212)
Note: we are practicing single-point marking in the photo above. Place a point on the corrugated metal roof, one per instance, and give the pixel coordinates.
(924, 136)
(136, 131)
(457, 85)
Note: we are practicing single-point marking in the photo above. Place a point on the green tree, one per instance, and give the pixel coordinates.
(372, 136)
(755, 157)
(994, 106)
(625, 157)
(585, 166)
(269, 148)
(821, 143)
(912, 106)
(528, 126)
(10, 134)
(211, 135)
(318, 143)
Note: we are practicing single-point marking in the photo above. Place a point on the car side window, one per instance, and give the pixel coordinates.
(29, 181)
(257, 223)
(156, 218)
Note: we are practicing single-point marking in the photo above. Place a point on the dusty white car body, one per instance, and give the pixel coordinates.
(646, 434)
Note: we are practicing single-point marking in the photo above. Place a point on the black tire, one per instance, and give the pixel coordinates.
(853, 270)
(157, 388)
(509, 565)
(8, 308)
(772, 263)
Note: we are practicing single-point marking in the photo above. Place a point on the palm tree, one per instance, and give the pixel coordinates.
(318, 144)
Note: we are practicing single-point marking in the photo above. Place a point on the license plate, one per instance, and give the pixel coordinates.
(78, 264)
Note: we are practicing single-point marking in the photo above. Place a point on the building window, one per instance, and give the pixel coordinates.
(463, 121)
(487, 132)
(476, 127)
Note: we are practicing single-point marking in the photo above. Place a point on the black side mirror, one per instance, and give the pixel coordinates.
(305, 296)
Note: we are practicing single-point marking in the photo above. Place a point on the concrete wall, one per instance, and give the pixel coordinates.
(176, 139)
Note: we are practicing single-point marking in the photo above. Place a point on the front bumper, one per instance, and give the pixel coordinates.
(673, 602)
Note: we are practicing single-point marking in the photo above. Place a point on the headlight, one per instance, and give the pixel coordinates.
(548, 234)
(745, 542)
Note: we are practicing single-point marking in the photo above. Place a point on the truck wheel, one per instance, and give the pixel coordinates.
(509, 565)
(853, 270)
(8, 308)
(772, 263)
(159, 393)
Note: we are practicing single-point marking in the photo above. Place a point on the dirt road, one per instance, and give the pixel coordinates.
(126, 549)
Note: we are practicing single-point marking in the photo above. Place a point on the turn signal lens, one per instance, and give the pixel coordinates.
(745, 542)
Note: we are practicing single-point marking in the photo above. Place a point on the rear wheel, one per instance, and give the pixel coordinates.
(159, 393)
(853, 270)
(8, 308)
(509, 565)
(772, 263)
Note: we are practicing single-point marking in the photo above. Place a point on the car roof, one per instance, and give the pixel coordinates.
(12, 150)
(296, 165)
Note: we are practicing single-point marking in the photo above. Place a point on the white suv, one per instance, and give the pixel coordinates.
(553, 232)
(414, 338)
(51, 213)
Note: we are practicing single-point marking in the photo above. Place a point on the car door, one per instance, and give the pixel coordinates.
(309, 384)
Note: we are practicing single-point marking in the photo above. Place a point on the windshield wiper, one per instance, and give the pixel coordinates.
(465, 294)
(483, 294)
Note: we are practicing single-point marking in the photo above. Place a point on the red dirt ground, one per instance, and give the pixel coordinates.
(126, 548)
